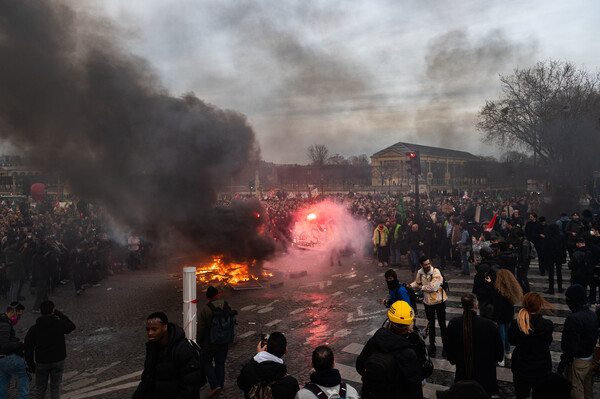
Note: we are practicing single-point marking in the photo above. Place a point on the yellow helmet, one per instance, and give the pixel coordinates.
(401, 313)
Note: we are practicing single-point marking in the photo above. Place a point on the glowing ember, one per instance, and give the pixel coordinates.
(230, 273)
(311, 216)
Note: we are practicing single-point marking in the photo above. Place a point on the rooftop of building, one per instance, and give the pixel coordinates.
(427, 151)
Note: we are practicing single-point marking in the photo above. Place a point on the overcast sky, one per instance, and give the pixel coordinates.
(356, 76)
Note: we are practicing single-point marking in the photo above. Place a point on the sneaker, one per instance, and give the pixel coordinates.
(214, 392)
(78, 292)
(380, 264)
(507, 355)
(385, 263)
(96, 285)
(501, 364)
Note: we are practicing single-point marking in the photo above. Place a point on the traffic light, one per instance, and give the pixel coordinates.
(251, 185)
(414, 163)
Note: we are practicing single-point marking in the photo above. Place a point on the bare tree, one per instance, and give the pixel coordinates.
(337, 159)
(548, 109)
(318, 154)
(360, 160)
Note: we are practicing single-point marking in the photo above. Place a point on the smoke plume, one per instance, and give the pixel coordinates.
(459, 67)
(73, 102)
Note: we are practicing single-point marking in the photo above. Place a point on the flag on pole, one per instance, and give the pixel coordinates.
(492, 223)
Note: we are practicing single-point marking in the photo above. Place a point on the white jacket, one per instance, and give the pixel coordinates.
(332, 392)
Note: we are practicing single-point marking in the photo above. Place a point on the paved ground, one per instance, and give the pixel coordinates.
(326, 305)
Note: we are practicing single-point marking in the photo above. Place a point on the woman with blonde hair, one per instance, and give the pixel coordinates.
(531, 335)
(507, 293)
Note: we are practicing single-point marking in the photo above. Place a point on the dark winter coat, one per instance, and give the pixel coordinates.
(580, 334)
(582, 266)
(531, 360)
(487, 351)
(9, 343)
(504, 311)
(45, 340)
(205, 316)
(409, 381)
(173, 371)
(556, 248)
(507, 260)
(285, 386)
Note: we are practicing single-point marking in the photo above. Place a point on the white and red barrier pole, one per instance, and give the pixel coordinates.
(189, 302)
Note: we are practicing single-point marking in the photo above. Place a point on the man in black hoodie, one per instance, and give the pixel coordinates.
(266, 370)
(45, 349)
(579, 337)
(390, 346)
(172, 368)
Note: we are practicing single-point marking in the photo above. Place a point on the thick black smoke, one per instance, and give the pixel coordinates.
(73, 102)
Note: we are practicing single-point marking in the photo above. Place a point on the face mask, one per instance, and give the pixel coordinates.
(392, 284)
(14, 320)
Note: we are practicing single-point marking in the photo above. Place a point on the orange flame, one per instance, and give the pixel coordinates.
(231, 273)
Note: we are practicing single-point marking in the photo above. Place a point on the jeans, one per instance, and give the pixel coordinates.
(395, 256)
(14, 366)
(503, 330)
(215, 374)
(465, 261)
(413, 259)
(55, 372)
(15, 290)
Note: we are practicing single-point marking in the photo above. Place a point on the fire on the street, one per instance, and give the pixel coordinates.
(229, 273)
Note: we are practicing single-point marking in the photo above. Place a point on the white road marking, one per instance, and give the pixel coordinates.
(297, 311)
(265, 310)
(272, 323)
(348, 373)
(247, 334)
(337, 293)
(83, 391)
(249, 307)
(354, 286)
(102, 391)
(342, 333)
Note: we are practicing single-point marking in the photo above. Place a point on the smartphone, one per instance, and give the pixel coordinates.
(263, 339)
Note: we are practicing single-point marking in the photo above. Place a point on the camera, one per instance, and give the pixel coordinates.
(263, 339)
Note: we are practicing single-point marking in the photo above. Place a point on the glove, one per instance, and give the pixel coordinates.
(562, 365)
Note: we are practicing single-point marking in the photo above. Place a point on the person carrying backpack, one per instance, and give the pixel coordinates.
(398, 292)
(389, 363)
(215, 326)
(325, 382)
(265, 376)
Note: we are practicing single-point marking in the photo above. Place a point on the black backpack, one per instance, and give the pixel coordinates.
(222, 324)
(418, 344)
(445, 285)
(380, 376)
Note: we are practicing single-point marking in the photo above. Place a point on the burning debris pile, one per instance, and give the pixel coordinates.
(235, 274)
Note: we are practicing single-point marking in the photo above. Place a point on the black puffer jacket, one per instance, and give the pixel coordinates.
(531, 359)
(171, 372)
(9, 343)
(504, 311)
(409, 383)
(284, 387)
(45, 340)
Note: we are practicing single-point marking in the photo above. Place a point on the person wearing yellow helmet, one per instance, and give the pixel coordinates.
(389, 363)
(401, 313)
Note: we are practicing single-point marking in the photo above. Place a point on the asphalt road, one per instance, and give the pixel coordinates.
(308, 300)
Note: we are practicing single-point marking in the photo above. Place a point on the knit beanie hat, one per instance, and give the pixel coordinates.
(211, 292)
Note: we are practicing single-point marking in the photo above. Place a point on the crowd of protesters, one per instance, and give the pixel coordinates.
(50, 245)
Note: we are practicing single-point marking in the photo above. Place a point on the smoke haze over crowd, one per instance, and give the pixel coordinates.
(74, 102)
